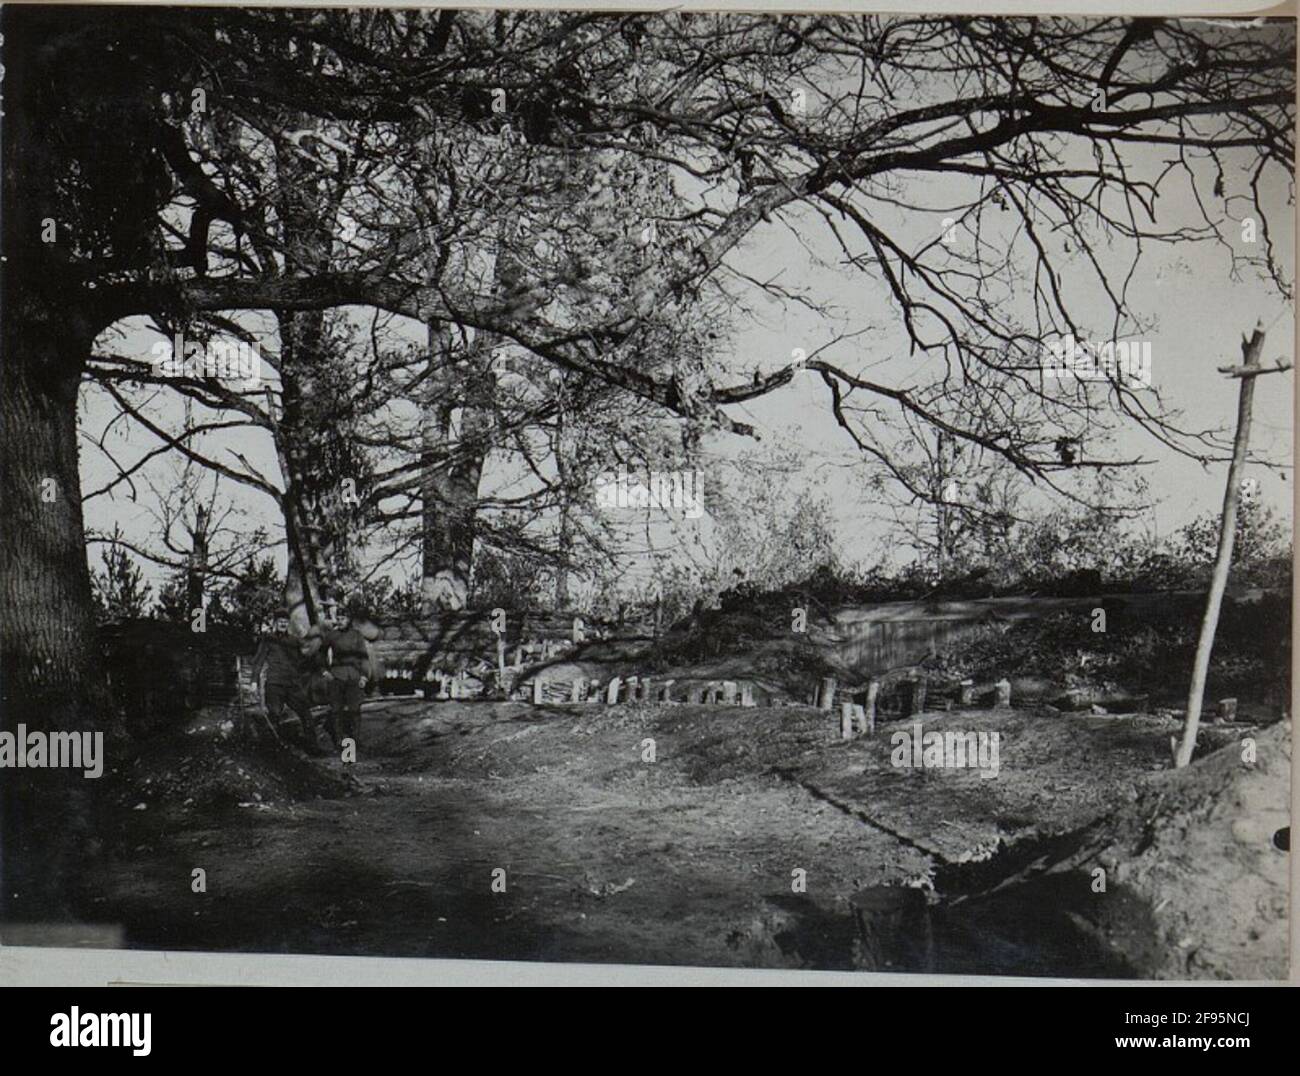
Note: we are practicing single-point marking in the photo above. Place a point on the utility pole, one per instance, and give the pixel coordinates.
(1246, 372)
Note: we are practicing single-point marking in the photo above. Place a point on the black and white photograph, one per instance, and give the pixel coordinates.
(803, 491)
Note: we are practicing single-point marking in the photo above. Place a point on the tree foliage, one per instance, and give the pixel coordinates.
(120, 590)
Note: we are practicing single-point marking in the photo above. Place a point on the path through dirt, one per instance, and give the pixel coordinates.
(687, 859)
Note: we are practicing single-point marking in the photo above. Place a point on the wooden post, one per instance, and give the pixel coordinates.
(859, 718)
(826, 698)
(1247, 372)
(729, 688)
(968, 692)
(239, 695)
(873, 693)
(611, 691)
(846, 721)
(1003, 698)
(746, 694)
(539, 692)
(575, 692)
(916, 691)
(647, 689)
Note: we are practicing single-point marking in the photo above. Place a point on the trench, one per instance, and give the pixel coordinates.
(1008, 914)
(1044, 926)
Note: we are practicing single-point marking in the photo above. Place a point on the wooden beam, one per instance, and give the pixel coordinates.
(1250, 350)
(1255, 371)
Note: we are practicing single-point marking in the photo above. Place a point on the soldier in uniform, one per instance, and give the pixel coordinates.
(351, 668)
(281, 677)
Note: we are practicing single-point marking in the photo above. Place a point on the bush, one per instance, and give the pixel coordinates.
(1154, 656)
(120, 591)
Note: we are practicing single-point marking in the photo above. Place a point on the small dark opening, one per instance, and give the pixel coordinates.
(1282, 838)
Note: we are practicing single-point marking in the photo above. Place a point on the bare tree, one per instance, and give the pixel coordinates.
(1006, 107)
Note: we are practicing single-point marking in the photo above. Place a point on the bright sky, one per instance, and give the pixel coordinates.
(1198, 318)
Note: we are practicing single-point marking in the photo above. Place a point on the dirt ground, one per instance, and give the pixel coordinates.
(692, 858)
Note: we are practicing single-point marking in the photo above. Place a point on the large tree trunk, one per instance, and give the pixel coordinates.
(442, 585)
(51, 675)
(565, 539)
(196, 566)
(302, 596)
(47, 623)
(456, 436)
(564, 534)
(307, 212)
(299, 339)
(48, 666)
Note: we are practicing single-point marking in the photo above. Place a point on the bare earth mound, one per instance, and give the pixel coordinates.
(649, 834)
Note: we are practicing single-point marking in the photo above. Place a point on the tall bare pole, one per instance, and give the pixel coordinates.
(1247, 372)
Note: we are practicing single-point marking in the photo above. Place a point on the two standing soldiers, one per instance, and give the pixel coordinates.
(331, 665)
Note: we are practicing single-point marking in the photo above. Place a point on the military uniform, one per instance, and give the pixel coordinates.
(279, 658)
(349, 663)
